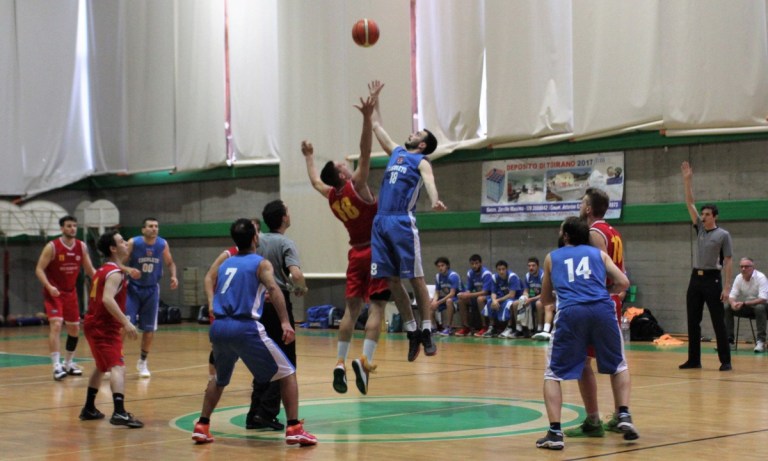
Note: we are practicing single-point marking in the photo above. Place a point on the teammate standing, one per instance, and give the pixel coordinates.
(604, 237)
(243, 282)
(57, 269)
(585, 317)
(148, 253)
(103, 326)
(396, 248)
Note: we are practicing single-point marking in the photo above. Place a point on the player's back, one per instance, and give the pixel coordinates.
(238, 293)
(578, 276)
(614, 244)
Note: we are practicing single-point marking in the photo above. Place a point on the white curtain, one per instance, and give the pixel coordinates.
(617, 70)
(51, 142)
(200, 138)
(714, 60)
(449, 64)
(254, 80)
(132, 79)
(322, 75)
(11, 182)
(528, 48)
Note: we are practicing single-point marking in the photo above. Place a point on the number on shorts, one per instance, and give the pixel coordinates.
(374, 269)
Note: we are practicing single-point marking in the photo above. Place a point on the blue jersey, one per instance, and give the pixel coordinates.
(444, 283)
(401, 183)
(502, 287)
(149, 260)
(239, 294)
(533, 283)
(479, 281)
(578, 276)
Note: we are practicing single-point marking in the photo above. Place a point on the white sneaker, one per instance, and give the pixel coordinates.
(542, 336)
(760, 346)
(59, 373)
(141, 366)
(507, 333)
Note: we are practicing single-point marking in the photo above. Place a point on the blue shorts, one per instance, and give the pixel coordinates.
(444, 306)
(246, 339)
(577, 327)
(503, 314)
(141, 306)
(395, 247)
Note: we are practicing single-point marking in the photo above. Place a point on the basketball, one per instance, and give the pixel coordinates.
(365, 32)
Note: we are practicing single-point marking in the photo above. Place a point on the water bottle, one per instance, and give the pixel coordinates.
(625, 329)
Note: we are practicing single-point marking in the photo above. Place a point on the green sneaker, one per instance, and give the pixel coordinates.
(585, 429)
(612, 425)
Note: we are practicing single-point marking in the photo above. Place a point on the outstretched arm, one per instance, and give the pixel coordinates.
(314, 177)
(429, 183)
(367, 107)
(381, 135)
(687, 172)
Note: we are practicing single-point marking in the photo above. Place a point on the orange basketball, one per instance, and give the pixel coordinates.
(365, 32)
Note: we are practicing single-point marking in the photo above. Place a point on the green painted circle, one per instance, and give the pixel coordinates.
(398, 419)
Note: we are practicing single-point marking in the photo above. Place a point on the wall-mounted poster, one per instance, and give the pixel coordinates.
(549, 188)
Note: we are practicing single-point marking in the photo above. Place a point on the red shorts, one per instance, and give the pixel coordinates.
(106, 346)
(359, 282)
(617, 303)
(64, 306)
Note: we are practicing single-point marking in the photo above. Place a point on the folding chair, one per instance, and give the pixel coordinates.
(750, 316)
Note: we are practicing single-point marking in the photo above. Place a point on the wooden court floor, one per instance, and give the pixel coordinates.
(477, 399)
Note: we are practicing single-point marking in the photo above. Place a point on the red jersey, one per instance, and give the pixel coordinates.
(231, 251)
(614, 245)
(65, 264)
(356, 214)
(98, 316)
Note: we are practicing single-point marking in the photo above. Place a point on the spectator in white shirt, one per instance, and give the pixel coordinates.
(748, 295)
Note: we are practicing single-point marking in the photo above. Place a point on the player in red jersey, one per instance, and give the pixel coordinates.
(602, 235)
(353, 203)
(104, 325)
(57, 269)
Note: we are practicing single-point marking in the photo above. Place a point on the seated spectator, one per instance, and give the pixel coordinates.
(475, 296)
(532, 291)
(447, 288)
(749, 295)
(505, 290)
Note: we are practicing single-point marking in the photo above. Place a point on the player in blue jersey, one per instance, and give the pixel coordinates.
(148, 253)
(506, 289)
(447, 288)
(477, 290)
(586, 316)
(243, 282)
(395, 244)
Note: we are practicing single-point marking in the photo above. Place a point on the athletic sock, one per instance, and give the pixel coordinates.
(410, 325)
(343, 350)
(369, 348)
(119, 401)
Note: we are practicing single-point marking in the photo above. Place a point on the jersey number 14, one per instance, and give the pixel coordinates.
(582, 269)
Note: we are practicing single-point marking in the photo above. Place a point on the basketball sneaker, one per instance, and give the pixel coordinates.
(73, 370)
(141, 367)
(59, 373)
(480, 332)
(362, 371)
(340, 378)
(88, 415)
(464, 331)
(542, 336)
(626, 427)
(445, 332)
(612, 424)
(430, 348)
(125, 419)
(506, 333)
(202, 433)
(297, 435)
(414, 344)
(585, 429)
(552, 441)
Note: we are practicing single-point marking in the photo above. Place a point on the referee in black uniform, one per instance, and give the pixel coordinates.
(713, 252)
